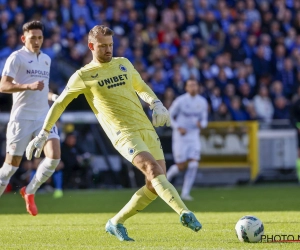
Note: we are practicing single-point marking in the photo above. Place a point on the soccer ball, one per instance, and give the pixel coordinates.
(249, 229)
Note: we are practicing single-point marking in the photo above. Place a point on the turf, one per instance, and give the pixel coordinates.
(77, 220)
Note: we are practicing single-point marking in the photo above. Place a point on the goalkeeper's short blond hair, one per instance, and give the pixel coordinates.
(99, 29)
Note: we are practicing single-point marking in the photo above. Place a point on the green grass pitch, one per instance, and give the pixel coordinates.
(77, 220)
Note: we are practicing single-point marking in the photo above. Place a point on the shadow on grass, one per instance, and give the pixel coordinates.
(247, 198)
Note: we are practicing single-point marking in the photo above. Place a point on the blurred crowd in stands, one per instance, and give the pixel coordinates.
(244, 53)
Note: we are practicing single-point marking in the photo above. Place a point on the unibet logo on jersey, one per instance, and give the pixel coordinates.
(114, 81)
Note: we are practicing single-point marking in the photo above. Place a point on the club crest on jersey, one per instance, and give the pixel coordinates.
(95, 76)
(46, 63)
(131, 151)
(123, 68)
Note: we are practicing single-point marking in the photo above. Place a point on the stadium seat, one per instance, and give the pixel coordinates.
(214, 144)
(232, 145)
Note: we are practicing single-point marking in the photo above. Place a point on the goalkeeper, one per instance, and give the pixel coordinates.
(110, 85)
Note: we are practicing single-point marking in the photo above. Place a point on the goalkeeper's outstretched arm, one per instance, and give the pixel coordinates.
(160, 115)
(74, 88)
(57, 109)
(141, 88)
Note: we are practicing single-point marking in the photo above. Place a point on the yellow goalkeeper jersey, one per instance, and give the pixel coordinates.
(111, 90)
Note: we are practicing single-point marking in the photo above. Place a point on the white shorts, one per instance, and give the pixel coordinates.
(184, 150)
(19, 133)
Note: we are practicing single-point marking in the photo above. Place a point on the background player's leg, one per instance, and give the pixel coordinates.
(58, 184)
(174, 170)
(177, 149)
(47, 167)
(189, 179)
(32, 173)
(58, 181)
(9, 167)
(16, 142)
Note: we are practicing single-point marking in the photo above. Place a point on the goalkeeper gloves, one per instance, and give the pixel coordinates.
(37, 143)
(160, 115)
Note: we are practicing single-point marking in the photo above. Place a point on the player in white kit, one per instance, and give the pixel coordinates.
(26, 76)
(188, 116)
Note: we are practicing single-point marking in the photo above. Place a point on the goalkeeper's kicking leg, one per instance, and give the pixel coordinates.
(156, 184)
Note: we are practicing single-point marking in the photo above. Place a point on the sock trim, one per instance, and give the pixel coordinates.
(52, 162)
(168, 193)
(8, 165)
(4, 182)
(158, 180)
(149, 194)
(7, 169)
